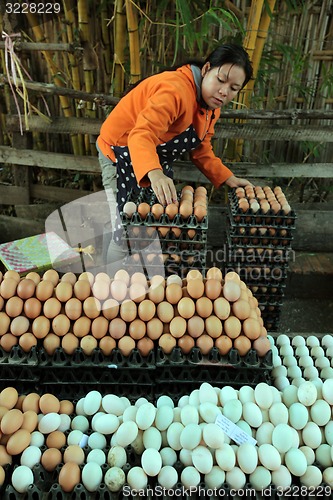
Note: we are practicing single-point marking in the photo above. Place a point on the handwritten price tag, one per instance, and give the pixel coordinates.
(233, 431)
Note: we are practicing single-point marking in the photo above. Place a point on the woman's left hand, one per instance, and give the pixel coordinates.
(234, 182)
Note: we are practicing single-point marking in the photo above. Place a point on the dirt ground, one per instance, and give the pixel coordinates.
(299, 315)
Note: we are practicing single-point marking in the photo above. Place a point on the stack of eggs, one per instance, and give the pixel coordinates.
(259, 234)
(106, 443)
(174, 236)
(128, 313)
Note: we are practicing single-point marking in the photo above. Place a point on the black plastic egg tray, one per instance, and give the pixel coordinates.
(148, 196)
(265, 242)
(258, 274)
(170, 266)
(156, 242)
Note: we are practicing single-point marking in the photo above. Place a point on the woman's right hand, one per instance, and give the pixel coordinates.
(162, 186)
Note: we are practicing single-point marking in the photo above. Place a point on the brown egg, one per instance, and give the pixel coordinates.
(88, 344)
(44, 290)
(32, 308)
(213, 288)
(204, 307)
(2, 303)
(163, 231)
(165, 311)
(241, 309)
(14, 306)
(156, 293)
(146, 310)
(27, 341)
(251, 328)
(12, 275)
(167, 342)
(232, 327)
(200, 212)
(19, 325)
(122, 275)
(195, 288)
(49, 403)
(18, 442)
(81, 326)
(221, 308)
(185, 209)
(91, 307)
(171, 210)
(73, 453)
(261, 345)
(41, 327)
(51, 307)
(50, 459)
(215, 273)
(137, 329)
(145, 345)
(143, 210)
(242, 344)
(231, 290)
(34, 277)
(82, 289)
(30, 420)
(31, 402)
(8, 341)
(11, 421)
(200, 190)
(69, 476)
(157, 210)
(137, 292)
(117, 328)
(101, 289)
(110, 309)
(178, 326)
(99, 327)
(56, 439)
(52, 275)
(154, 328)
(213, 326)
(66, 407)
(107, 345)
(173, 293)
(5, 457)
(205, 343)
(73, 308)
(194, 274)
(50, 343)
(64, 291)
(223, 344)
(195, 326)
(87, 276)
(8, 288)
(126, 345)
(128, 310)
(186, 307)
(176, 231)
(186, 343)
(61, 325)
(69, 343)
(70, 277)
(26, 288)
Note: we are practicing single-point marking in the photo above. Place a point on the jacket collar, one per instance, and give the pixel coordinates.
(196, 71)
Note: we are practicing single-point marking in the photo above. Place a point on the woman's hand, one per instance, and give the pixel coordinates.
(162, 186)
(234, 182)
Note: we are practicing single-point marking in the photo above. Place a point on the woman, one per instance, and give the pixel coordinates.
(164, 116)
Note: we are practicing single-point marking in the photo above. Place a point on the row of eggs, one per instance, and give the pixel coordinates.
(126, 311)
(292, 429)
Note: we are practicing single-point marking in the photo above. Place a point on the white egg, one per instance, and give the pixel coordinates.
(92, 476)
(298, 340)
(328, 476)
(244, 426)
(269, 456)
(176, 414)
(327, 373)
(322, 455)
(327, 340)
(49, 423)
(260, 478)
(145, 416)
(141, 401)
(263, 395)
(294, 372)
(194, 398)
(320, 412)
(97, 456)
(185, 457)
(327, 391)
(317, 352)
(226, 393)
(298, 416)
(328, 431)
(233, 409)
(81, 423)
(75, 437)
(225, 457)
(213, 435)
(311, 435)
(137, 479)
(278, 414)
(312, 341)
(307, 393)
(130, 413)
(113, 404)
(168, 455)
(247, 457)
(281, 383)
(209, 412)
(302, 350)
(310, 372)
(305, 361)
(289, 395)
(190, 477)
(202, 459)
(37, 439)
(164, 417)
(310, 454)
(295, 461)
(167, 477)
(215, 478)
(289, 360)
(252, 414)
(207, 394)
(281, 478)
(22, 478)
(137, 444)
(151, 462)
(235, 479)
(96, 440)
(245, 394)
(312, 478)
(173, 435)
(190, 436)
(164, 401)
(152, 438)
(106, 424)
(189, 415)
(322, 363)
(276, 360)
(286, 350)
(31, 456)
(183, 401)
(279, 371)
(79, 407)
(126, 433)
(65, 423)
(282, 436)
(283, 339)
(92, 402)
(298, 381)
(264, 433)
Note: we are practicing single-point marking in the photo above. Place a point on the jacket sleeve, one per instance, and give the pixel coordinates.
(163, 108)
(208, 163)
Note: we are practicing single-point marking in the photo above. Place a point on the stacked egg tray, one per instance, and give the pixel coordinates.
(178, 373)
(259, 250)
(177, 243)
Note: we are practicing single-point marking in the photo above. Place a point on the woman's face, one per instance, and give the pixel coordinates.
(220, 85)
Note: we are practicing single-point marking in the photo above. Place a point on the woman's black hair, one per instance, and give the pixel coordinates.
(229, 53)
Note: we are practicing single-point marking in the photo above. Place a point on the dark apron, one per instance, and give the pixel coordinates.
(167, 152)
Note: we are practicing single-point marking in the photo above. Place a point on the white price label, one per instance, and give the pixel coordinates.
(233, 431)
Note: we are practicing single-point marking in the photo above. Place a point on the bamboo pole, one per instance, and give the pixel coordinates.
(119, 48)
(134, 44)
(64, 101)
(105, 34)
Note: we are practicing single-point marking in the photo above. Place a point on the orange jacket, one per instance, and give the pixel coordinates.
(156, 111)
